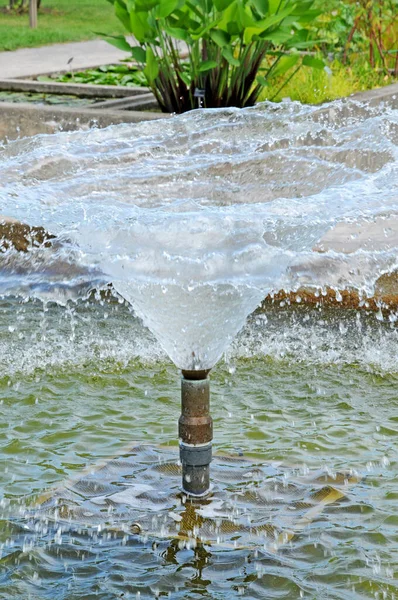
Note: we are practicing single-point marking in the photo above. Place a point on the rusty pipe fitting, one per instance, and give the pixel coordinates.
(195, 429)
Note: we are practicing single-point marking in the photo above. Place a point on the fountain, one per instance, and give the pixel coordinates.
(195, 221)
(181, 243)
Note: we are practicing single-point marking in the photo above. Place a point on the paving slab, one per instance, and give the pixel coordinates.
(82, 90)
(29, 62)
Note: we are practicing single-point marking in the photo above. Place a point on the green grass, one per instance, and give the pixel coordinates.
(314, 86)
(58, 21)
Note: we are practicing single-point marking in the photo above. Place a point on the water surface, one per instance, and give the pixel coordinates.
(298, 387)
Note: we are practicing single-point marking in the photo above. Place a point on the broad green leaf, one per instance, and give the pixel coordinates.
(119, 42)
(261, 6)
(166, 7)
(220, 37)
(278, 37)
(284, 64)
(123, 15)
(199, 34)
(229, 16)
(250, 34)
(177, 33)
(315, 63)
(138, 25)
(228, 55)
(118, 69)
(207, 65)
(274, 5)
(262, 81)
(304, 7)
(234, 29)
(186, 78)
(307, 17)
(265, 24)
(139, 54)
(222, 4)
(151, 70)
(245, 16)
(195, 10)
(145, 5)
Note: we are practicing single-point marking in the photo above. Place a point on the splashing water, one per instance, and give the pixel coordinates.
(196, 219)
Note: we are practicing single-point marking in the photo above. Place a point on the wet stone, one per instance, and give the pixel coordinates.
(22, 237)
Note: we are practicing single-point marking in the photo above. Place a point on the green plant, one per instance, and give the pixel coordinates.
(21, 6)
(334, 25)
(225, 43)
(377, 22)
(127, 75)
(353, 28)
(314, 86)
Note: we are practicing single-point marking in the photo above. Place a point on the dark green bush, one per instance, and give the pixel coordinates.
(212, 53)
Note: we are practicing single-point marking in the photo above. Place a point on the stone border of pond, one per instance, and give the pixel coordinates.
(82, 90)
(116, 104)
(25, 120)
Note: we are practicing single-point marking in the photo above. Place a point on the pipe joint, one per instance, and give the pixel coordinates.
(195, 456)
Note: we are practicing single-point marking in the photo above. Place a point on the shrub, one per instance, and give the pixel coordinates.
(377, 23)
(224, 42)
(361, 27)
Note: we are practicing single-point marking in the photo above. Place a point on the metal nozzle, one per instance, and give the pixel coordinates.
(195, 430)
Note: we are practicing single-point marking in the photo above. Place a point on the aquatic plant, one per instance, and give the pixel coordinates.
(210, 53)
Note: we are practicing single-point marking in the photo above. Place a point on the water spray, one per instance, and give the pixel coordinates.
(195, 430)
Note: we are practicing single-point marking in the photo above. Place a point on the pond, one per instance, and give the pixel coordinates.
(47, 99)
(314, 390)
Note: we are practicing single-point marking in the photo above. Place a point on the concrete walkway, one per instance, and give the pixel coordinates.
(28, 62)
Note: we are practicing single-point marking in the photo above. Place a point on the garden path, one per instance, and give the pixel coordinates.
(27, 62)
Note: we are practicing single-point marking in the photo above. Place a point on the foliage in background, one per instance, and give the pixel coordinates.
(377, 22)
(59, 21)
(21, 5)
(311, 86)
(334, 24)
(226, 42)
(354, 28)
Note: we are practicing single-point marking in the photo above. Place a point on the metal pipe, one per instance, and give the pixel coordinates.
(195, 430)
